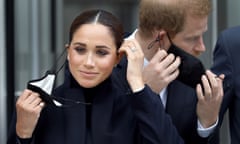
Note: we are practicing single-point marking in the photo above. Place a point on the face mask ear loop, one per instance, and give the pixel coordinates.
(55, 68)
(61, 67)
(169, 38)
(153, 42)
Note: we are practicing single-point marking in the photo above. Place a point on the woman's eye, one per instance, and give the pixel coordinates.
(80, 50)
(102, 52)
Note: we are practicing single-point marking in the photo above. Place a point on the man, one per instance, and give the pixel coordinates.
(162, 24)
(226, 60)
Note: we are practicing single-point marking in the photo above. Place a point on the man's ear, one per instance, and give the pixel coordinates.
(163, 40)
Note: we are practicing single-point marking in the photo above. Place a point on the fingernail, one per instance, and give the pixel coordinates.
(218, 77)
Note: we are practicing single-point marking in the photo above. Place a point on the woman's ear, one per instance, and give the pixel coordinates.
(119, 57)
(68, 57)
(67, 47)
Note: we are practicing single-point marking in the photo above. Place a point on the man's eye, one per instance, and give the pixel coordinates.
(102, 52)
(194, 39)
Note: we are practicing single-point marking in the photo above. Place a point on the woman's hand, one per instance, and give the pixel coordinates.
(135, 58)
(29, 105)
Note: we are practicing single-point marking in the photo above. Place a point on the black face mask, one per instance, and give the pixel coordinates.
(191, 68)
(45, 85)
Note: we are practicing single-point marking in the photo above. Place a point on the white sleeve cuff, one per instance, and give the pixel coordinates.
(205, 132)
(138, 89)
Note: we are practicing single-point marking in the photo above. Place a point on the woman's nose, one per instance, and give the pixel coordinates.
(89, 61)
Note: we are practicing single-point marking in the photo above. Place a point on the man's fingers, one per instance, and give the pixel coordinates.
(207, 88)
(199, 92)
(159, 56)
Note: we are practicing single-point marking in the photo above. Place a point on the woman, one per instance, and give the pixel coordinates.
(109, 115)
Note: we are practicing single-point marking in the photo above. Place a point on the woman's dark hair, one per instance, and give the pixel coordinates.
(102, 17)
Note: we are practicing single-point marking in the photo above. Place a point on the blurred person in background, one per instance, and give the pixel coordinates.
(226, 60)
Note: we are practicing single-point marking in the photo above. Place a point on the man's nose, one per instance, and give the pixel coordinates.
(200, 48)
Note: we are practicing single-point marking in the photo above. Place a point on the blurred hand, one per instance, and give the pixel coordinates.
(209, 98)
(29, 106)
(161, 70)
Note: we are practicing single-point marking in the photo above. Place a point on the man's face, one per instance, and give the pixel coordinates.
(190, 38)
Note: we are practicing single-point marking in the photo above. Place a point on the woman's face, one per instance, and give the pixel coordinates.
(92, 54)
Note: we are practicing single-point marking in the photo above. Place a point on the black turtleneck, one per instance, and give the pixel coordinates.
(88, 95)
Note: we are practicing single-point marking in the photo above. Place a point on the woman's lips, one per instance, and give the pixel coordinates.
(88, 74)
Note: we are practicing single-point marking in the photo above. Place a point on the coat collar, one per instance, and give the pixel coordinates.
(75, 117)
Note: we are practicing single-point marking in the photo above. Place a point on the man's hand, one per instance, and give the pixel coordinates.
(209, 99)
(161, 70)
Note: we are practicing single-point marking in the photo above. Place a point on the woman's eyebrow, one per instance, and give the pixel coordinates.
(102, 46)
(79, 43)
(98, 46)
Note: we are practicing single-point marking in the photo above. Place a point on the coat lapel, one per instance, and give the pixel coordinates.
(102, 114)
(75, 118)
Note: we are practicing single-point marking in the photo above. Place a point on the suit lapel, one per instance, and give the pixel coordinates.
(181, 104)
(180, 97)
(174, 98)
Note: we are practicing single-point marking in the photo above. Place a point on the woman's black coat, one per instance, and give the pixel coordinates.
(118, 116)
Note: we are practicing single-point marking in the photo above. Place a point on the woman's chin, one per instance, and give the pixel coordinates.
(89, 85)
